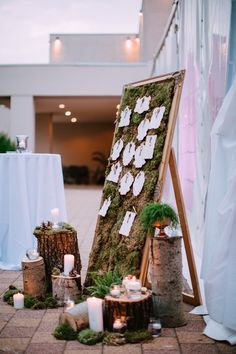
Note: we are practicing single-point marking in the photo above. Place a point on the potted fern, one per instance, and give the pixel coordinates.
(158, 215)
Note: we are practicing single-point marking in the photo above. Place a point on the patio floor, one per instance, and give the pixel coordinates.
(29, 331)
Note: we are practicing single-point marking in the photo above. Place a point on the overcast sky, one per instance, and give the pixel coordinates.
(25, 25)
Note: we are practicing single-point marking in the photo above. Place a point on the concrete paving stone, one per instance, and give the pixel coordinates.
(164, 343)
(127, 349)
(168, 332)
(16, 345)
(27, 313)
(18, 284)
(192, 326)
(226, 348)
(83, 351)
(51, 316)
(17, 332)
(199, 349)
(193, 338)
(5, 308)
(24, 322)
(45, 337)
(2, 324)
(76, 345)
(47, 326)
(36, 348)
(6, 316)
(161, 351)
(58, 310)
(192, 317)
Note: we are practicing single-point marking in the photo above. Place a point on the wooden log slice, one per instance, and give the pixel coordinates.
(166, 278)
(53, 244)
(135, 311)
(34, 281)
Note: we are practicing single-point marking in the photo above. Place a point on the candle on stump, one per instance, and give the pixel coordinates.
(134, 284)
(18, 301)
(115, 291)
(69, 261)
(55, 217)
(117, 324)
(95, 314)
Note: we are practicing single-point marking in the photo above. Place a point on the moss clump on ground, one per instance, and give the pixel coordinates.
(65, 332)
(89, 337)
(137, 336)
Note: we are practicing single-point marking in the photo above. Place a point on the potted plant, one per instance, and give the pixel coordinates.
(158, 215)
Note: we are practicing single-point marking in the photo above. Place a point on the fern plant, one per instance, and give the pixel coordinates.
(102, 283)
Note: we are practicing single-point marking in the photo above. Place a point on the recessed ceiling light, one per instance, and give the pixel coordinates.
(68, 113)
(61, 105)
(73, 120)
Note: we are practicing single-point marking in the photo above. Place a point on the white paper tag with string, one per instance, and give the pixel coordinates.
(114, 173)
(139, 156)
(105, 207)
(127, 223)
(142, 104)
(128, 153)
(149, 146)
(156, 118)
(125, 183)
(138, 183)
(116, 150)
(143, 128)
(125, 117)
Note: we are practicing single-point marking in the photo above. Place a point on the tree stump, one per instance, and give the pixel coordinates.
(34, 281)
(166, 278)
(65, 287)
(53, 244)
(135, 311)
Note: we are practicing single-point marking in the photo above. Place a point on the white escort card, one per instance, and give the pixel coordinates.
(149, 146)
(138, 183)
(127, 223)
(125, 117)
(142, 104)
(143, 128)
(125, 183)
(128, 153)
(114, 174)
(116, 150)
(156, 118)
(139, 156)
(105, 207)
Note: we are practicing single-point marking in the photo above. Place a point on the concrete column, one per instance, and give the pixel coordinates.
(23, 119)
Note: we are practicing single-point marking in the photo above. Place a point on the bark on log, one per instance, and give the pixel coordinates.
(34, 281)
(166, 278)
(53, 244)
(65, 288)
(135, 311)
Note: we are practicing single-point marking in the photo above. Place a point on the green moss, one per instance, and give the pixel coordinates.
(90, 337)
(65, 332)
(137, 336)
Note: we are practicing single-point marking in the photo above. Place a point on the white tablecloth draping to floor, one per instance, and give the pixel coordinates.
(30, 186)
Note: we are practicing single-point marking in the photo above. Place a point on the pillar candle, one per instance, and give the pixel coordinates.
(18, 301)
(69, 261)
(55, 215)
(95, 314)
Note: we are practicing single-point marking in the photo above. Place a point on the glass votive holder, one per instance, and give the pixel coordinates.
(21, 143)
(68, 304)
(115, 290)
(32, 254)
(119, 325)
(154, 327)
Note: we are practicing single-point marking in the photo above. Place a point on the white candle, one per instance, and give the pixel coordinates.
(22, 144)
(18, 300)
(69, 261)
(156, 325)
(118, 324)
(95, 314)
(115, 291)
(126, 280)
(55, 217)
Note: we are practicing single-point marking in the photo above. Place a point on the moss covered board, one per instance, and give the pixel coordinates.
(135, 173)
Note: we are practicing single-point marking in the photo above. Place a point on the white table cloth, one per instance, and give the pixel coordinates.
(30, 186)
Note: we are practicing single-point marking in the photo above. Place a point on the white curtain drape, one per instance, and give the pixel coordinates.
(198, 41)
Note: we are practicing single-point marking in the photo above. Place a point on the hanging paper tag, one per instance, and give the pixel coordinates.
(142, 104)
(149, 146)
(143, 128)
(156, 118)
(139, 156)
(138, 183)
(125, 183)
(118, 146)
(127, 223)
(125, 117)
(105, 207)
(114, 174)
(128, 153)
